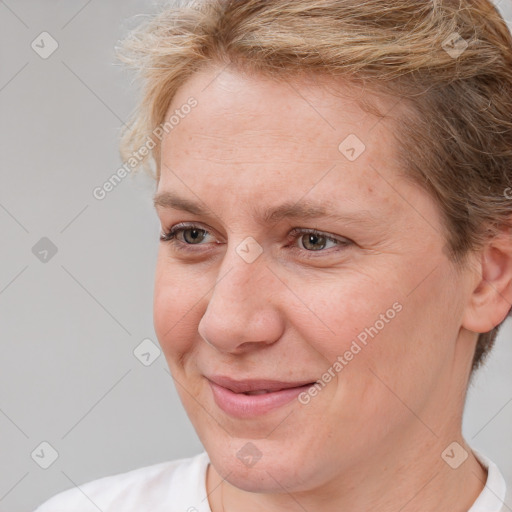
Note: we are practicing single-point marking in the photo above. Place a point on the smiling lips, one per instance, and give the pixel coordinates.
(253, 397)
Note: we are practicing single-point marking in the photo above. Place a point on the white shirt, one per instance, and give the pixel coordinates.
(180, 486)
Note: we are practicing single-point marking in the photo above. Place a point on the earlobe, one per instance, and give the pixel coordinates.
(491, 298)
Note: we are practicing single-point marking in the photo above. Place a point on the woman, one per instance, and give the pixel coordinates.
(335, 257)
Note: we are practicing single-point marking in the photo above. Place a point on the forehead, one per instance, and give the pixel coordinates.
(258, 134)
(252, 110)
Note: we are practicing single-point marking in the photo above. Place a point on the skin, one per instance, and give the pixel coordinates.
(372, 439)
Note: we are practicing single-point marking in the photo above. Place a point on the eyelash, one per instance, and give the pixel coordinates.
(170, 237)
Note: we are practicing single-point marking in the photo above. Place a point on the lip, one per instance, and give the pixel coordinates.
(229, 395)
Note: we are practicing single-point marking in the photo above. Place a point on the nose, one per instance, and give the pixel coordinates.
(243, 311)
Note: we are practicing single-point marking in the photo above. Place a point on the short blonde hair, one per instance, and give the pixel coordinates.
(450, 59)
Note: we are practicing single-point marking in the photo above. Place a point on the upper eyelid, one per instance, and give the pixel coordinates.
(183, 226)
(319, 232)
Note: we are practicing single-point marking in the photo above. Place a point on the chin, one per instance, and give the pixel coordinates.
(237, 461)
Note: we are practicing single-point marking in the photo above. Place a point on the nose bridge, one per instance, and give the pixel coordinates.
(243, 273)
(239, 309)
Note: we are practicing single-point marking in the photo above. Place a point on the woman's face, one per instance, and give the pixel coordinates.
(369, 307)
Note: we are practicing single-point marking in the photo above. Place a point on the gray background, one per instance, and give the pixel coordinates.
(69, 326)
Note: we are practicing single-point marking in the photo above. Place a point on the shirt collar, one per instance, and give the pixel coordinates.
(492, 497)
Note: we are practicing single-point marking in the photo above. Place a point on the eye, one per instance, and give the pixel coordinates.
(186, 234)
(306, 241)
(311, 240)
(314, 241)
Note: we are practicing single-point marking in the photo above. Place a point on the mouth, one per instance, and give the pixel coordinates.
(254, 397)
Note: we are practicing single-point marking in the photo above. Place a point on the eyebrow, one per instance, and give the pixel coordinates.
(288, 210)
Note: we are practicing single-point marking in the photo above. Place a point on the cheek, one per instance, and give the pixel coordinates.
(378, 327)
(176, 302)
(336, 310)
(412, 352)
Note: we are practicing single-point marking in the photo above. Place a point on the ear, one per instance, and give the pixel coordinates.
(491, 298)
